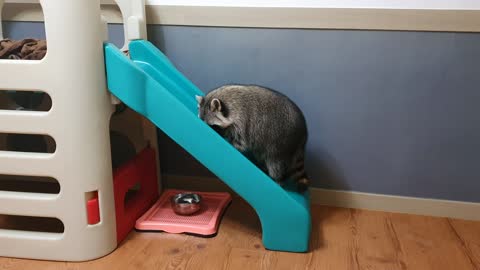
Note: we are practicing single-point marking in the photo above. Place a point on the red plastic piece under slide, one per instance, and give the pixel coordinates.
(142, 171)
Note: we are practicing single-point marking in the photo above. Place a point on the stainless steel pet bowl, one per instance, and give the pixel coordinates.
(186, 203)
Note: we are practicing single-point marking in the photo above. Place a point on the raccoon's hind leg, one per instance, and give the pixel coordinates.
(259, 163)
(279, 171)
(297, 172)
(276, 169)
(302, 184)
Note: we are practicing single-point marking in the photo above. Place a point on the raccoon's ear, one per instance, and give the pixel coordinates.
(199, 99)
(215, 105)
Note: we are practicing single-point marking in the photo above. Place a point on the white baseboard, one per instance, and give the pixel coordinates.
(396, 204)
(352, 199)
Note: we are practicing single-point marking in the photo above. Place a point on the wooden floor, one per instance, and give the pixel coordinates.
(341, 239)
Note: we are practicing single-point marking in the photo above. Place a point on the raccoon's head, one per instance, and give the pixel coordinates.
(213, 112)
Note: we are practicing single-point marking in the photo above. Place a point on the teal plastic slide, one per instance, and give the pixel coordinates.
(149, 83)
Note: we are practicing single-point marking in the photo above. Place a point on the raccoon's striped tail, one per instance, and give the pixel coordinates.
(297, 172)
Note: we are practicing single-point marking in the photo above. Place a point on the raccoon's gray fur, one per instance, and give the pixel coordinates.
(266, 126)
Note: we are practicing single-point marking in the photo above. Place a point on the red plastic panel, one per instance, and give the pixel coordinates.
(142, 169)
(93, 210)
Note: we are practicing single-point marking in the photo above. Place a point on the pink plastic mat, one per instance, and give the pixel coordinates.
(161, 217)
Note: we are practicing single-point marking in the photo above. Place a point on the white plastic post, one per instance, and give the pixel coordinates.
(135, 27)
(113, 99)
(134, 24)
(1, 28)
(133, 13)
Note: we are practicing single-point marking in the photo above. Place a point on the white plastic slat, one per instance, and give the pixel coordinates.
(27, 122)
(6, 235)
(46, 245)
(28, 204)
(22, 74)
(28, 164)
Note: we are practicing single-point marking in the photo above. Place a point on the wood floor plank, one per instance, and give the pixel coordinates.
(240, 229)
(376, 245)
(165, 251)
(429, 243)
(241, 226)
(288, 261)
(207, 258)
(130, 248)
(341, 239)
(240, 258)
(333, 240)
(468, 233)
(13, 263)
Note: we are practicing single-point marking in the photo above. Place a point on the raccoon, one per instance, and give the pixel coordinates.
(264, 125)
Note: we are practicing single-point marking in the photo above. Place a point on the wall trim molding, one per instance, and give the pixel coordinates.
(396, 204)
(351, 199)
(446, 20)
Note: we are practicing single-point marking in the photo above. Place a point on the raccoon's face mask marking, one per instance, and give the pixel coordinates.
(213, 112)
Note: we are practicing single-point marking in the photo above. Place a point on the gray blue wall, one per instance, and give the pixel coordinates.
(388, 112)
